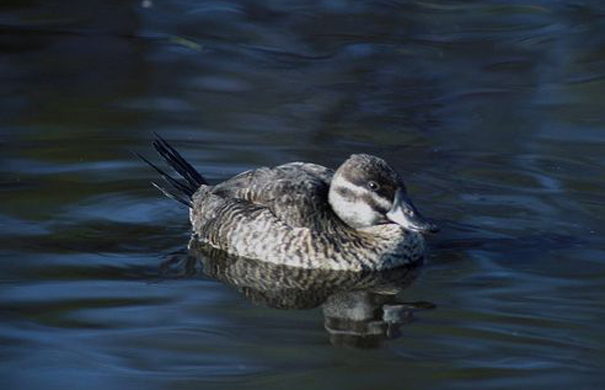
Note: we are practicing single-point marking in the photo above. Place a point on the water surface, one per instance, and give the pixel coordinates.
(493, 111)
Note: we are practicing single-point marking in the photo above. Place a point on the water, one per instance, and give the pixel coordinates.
(492, 111)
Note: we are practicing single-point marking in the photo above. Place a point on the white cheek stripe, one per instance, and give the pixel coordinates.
(381, 201)
(357, 212)
(339, 181)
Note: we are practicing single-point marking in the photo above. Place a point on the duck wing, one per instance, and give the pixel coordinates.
(296, 193)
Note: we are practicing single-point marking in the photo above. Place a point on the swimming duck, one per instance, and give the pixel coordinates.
(299, 214)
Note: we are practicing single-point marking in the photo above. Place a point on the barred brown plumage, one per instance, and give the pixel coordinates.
(356, 218)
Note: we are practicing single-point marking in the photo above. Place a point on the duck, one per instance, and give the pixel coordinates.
(358, 217)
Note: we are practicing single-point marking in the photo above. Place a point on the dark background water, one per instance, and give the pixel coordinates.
(494, 111)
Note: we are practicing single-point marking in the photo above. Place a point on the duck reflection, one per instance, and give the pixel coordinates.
(361, 309)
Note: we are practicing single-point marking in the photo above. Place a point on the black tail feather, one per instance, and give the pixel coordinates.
(172, 195)
(181, 191)
(179, 186)
(178, 163)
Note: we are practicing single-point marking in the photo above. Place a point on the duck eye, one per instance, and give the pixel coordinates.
(373, 185)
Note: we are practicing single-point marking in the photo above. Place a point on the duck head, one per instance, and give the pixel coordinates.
(365, 191)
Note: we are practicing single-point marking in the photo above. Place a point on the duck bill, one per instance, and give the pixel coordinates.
(405, 214)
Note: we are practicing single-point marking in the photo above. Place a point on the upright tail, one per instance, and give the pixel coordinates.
(180, 189)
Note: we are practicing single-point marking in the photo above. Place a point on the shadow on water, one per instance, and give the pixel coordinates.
(361, 309)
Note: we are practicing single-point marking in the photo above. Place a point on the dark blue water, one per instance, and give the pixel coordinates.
(493, 111)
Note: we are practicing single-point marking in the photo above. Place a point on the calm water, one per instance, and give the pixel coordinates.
(494, 111)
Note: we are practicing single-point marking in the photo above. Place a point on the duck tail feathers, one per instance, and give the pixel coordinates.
(180, 189)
